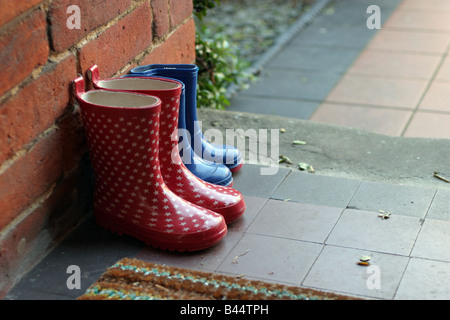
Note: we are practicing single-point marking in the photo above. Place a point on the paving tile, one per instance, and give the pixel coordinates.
(271, 258)
(378, 120)
(429, 5)
(364, 90)
(254, 206)
(250, 182)
(390, 64)
(393, 40)
(330, 59)
(395, 235)
(444, 71)
(292, 108)
(397, 199)
(344, 25)
(336, 270)
(433, 241)
(354, 12)
(290, 84)
(341, 35)
(419, 20)
(355, 6)
(437, 97)
(294, 220)
(207, 260)
(429, 125)
(31, 294)
(90, 248)
(440, 207)
(316, 189)
(425, 280)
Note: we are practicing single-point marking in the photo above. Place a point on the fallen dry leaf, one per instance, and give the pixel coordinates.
(298, 142)
(441, 177)
(384, 215)
(285, 159)
(306, 167)
(240, 255)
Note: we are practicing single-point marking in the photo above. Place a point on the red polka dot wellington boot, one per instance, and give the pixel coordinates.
(224, 200)
(130, 197)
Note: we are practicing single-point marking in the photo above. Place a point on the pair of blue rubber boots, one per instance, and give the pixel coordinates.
(210, 162)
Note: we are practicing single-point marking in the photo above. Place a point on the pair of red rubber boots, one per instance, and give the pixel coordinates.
(142, 187)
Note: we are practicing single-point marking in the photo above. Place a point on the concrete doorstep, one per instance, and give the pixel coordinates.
(334, 150)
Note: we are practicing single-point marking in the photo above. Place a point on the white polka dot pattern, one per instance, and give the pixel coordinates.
(124, 150)
(224, 200)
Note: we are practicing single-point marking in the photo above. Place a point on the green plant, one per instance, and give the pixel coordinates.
(219, 67)
(201, 6)
(219, 64)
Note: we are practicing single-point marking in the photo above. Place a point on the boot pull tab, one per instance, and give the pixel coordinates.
(78, 86)
(93, 74)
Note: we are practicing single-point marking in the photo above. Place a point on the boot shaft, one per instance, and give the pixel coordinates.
(169, 91)
(186, 73)
(122, 131)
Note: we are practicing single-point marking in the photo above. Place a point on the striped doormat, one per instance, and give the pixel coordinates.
(132, 279)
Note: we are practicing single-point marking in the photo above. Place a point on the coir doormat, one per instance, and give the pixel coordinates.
(132, 279)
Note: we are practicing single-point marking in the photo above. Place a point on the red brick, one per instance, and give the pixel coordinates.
(29, 177)
(11, 9)
(94, 13)
(120, 43)
(36, 107)
(160, 17)
(180, 10)
(179, 47)
(23, 47)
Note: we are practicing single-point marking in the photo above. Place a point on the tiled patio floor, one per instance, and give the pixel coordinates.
(399, 84)
(306, 229)
(393, 81)
(299, 229)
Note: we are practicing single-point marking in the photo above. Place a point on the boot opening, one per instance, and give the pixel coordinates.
(137, 84)
(119, 99)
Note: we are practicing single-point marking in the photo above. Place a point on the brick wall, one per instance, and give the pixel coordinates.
(45, 178)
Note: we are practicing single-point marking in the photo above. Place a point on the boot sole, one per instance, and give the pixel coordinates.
(231, 214)
(183, 243)
(236, 168)
(226, 183)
